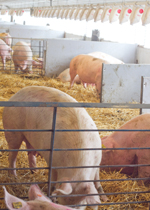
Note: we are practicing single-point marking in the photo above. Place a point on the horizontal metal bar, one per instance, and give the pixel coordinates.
(80, 149)
(97, 194)
(102, 166)
(31, 168)
(79, 167)
(73, 104)
(106, 204)
(103, 180)
(73, 130)
(23, 150)
(22, 183)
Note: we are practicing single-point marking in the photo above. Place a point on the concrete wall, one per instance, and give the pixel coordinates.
(143, 55)
(59, 52)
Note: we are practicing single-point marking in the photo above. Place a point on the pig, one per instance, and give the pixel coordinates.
(128, 140)
(37, 201)
(89, 68)
(67, 118)
(5, 52)
(6, 38)
(22, 57)
(65, 76)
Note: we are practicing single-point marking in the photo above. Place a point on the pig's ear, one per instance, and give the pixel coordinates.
(35, 193)
(13, 202)
(63, 188)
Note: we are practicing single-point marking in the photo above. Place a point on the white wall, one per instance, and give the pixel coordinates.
(60, 52)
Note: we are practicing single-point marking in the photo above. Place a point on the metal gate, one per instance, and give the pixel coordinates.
(112, 205)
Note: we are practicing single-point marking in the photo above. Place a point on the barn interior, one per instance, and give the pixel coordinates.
(57, 31)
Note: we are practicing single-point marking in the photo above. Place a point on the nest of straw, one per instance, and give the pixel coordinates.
(104, 119)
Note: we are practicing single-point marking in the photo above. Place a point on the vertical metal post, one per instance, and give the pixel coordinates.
(44, 57)
(141, 96)
(101, 82)
(50, 3)
(51, 151)
(40, 51)
(12, 18)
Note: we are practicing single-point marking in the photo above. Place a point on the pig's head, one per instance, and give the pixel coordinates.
(39, 202)
(23, 65)
(81, 188)
(109, 156)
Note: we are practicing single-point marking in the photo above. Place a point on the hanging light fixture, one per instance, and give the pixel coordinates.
(90, 14)
(137, 13)
(115, 13)
(55, 12)
(125, 14)
(59, 13)
(78, 13)
(49, 12)
(72, 14)
(98, 13)
(146, 16)
(106, 13)
(46, 13)
(68, 14)
(4, 12)
(84, 12)
(52, 13)
(64, 13)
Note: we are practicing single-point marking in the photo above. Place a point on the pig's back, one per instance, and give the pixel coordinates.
(67, 118)
(22, 48)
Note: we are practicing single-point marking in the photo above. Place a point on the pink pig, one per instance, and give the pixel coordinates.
(89, 68)
(38, 201)
(67, 118)
(129, 139)
(5, 52)
(22, 56)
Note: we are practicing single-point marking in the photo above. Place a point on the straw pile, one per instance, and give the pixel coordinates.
(104, 118)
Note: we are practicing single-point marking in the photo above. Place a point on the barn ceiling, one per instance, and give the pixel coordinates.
(48, 3)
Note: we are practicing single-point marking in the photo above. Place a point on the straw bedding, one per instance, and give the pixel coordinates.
(104, 118)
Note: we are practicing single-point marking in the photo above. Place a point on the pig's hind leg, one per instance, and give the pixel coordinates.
(14, 140)
(99, 187)
(31, 157)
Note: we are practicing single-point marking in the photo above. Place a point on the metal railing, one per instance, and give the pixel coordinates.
(56, 105)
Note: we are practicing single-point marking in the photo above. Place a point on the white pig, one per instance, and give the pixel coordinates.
(67, 118)
(5, 52)
(22, 57)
